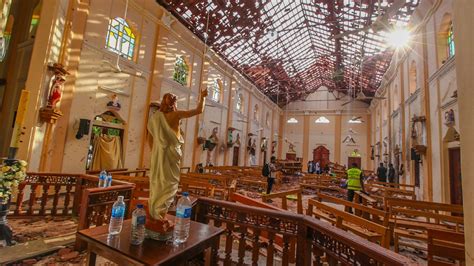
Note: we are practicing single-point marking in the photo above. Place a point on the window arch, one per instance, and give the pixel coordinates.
(267, 119)
(239, 105)
(412, 79)
(216, 90)
(255, 112)
(445, 39)
(120, 38)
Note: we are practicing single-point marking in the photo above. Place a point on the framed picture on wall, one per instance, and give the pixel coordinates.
(3, 83)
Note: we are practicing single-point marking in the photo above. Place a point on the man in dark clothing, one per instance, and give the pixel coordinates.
(391, 173)
(382, 173)
(272, 176)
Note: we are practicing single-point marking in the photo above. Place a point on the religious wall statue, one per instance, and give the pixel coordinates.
(449, 119)
(237, 140)
(291, 148)
(114, 103)
(166, 154)
(263, 145)
(56, 84)
(274, 145)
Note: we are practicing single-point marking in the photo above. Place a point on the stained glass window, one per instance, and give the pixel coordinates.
(6, 24)
(255, 113)
(215, 90)
(120, 38)
(451, 48)
(181, 71)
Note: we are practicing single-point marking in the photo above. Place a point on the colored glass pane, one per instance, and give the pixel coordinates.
(181, 71)
(120, 38)
(451, 48)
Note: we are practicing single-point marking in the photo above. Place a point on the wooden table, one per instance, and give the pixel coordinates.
(119, 250)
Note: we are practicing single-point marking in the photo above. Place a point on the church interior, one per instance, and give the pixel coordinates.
(306, 132)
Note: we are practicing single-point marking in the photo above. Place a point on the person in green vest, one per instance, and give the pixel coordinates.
(354, 182)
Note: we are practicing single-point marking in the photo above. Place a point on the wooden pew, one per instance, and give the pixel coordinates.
(395, 185)
(368, 213)
(367, 229)
(283, 196)
(446, 245)
(277, 238)
(96, 172)
(412, 219)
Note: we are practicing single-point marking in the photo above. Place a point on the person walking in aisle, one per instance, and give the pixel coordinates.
(271, 177)
(354, 182)
(382, 173)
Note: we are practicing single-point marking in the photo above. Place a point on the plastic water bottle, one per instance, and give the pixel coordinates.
(116, 219)
(138, 225)
(183, 219)
(108, 180)
(102, 178)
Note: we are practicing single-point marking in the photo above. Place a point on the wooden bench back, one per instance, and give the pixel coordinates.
(445, 244)
(426, 212)
(368, 213)
(284, 201)
(346, 221)
(395, 185)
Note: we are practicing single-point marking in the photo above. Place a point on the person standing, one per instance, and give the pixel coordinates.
(354, 182)
(271, 177)
(310, 167)
(382, 173)
(391, 173)
(317, 168)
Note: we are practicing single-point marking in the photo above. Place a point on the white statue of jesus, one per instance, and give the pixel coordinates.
(166, 152)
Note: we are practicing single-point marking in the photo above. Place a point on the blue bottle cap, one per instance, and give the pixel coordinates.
(140, 206)
(185, 194)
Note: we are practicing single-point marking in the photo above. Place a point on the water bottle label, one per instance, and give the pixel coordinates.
(118, 212)
(183, 213)
(138, 220)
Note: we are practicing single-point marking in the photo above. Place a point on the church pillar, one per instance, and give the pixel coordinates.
(463, 10)
(428, 186)
(230, 113)
(305, 138)
(337, 139)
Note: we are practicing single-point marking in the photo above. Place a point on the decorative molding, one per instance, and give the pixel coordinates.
(413, 96)
(445, 68)
(448, 104)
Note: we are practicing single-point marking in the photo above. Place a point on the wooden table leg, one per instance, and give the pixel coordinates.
(214, 249)
(91, 257)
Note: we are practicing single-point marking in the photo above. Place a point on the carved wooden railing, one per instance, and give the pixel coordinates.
(316, 242)
(48, 194)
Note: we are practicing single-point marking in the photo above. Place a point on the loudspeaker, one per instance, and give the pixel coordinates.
(84, 126)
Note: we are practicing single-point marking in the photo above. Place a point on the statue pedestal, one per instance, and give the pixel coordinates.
(161, 230)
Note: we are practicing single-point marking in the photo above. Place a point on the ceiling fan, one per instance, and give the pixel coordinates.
(380, 23)
(357, 119)
(361, 97)
(115, 68)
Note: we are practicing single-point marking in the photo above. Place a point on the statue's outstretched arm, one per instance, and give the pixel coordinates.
(198, 110)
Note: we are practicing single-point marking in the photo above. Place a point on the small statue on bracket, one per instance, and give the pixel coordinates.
(56, 84)
(114, 104)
